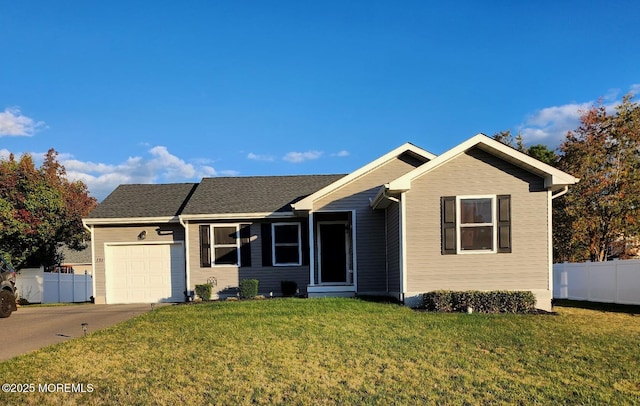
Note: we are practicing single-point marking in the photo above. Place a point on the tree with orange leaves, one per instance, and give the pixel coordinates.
(40, 209)
(598, 218)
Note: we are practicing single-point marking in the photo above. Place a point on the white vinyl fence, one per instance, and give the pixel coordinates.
(609, 282)
(38, 286)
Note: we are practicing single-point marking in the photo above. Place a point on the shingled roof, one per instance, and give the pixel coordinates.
(253, 194)
(70, 256)
(134, 201)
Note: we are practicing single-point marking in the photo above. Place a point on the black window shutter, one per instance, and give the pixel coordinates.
(245, 244)
(504, 223)
(205, 246)
(448, 223)
(305, 242)
(265, 236)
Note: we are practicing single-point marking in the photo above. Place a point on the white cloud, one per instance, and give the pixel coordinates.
(257, 157)
(159, 167)
(170, 165)
(13, 123)
(297, 157)
(341, 154)
(550, 125)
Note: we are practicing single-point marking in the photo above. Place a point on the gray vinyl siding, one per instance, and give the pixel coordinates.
(477, 173)
(228, 277)
(370, 224)
(393, 248)
(126, 234)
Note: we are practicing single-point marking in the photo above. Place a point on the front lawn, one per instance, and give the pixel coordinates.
(328, 351)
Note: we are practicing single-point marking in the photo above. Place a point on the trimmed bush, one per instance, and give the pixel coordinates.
(204, 291)
(496, 301)
(288, 288)
(248, 288)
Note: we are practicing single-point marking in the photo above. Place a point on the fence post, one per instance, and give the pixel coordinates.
(588, 277)
(615, 275)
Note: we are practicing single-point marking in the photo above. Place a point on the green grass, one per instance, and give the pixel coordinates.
(349, 351)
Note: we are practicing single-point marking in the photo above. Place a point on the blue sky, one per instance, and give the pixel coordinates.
(168, 91)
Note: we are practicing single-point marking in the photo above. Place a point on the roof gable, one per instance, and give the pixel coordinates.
(554, 179)
(307, 202)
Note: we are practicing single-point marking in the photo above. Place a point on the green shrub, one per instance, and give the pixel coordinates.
(289, 288)
(497, 301)
(248, 288)
(204, 291)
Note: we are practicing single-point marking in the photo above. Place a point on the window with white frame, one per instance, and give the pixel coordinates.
(226, 244)
(476, 224)
(286, 244)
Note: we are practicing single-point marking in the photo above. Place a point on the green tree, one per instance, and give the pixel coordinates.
(516, 142)
(542, 153)
(598, 217)
(40, 209)
(538, 151)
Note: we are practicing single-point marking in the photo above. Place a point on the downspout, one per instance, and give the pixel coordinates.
(312, 253)
(560, 193)
(386, 236)
(187, 280)
(403, 247)
(552, 196)
(386, 233)
(386, 248)
(93, 259)
(393, 199)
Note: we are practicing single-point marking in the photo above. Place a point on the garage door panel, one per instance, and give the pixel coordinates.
(145, 273)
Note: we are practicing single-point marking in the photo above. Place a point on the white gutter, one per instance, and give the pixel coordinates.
(130, 220)
(393, 199)
(234, 216)
(381, 196)
(560, 193)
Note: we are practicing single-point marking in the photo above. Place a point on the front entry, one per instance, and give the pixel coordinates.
(333, 239)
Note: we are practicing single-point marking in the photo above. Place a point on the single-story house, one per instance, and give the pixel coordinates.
(73, 261)
(476, 217)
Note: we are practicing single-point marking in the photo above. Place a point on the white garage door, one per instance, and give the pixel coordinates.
(145, 273)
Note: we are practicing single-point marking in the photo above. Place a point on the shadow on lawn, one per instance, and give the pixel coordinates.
(605, 307)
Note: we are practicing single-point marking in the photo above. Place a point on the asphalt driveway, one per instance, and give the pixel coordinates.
(31, 328)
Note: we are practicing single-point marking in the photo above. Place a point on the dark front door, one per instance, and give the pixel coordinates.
(333, 253)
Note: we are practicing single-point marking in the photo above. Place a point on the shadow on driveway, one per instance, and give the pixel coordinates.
(34, 327)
